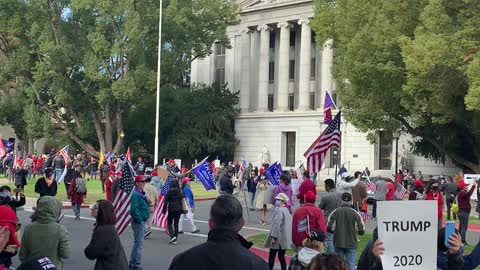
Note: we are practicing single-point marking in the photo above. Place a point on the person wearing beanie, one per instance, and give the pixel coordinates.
(347, 223)
(307, 218)
(46, 186)
(312, 246)
(307, 185)
(280, 236)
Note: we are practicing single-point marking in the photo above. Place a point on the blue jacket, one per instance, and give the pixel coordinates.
(187, 192)
(139, 208)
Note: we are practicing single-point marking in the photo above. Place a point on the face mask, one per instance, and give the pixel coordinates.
(278, 203)
(262, 177)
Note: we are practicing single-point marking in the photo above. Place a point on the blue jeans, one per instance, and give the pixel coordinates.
(251, 199)
(329, 243)
(93, 174)
(138, 237)
(76, 209)
(58, 173)
(349, 255)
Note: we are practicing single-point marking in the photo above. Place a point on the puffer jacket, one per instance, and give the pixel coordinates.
(44, 236)
(173, 200)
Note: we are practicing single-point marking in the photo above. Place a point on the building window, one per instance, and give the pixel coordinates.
(312, 101)
(270, 102)
(290, 138)
(291, 68)
(334, 157)
(291, 102)
(385, 151)
(219, 63)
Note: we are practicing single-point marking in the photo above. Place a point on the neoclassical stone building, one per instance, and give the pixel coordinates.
(282, 75)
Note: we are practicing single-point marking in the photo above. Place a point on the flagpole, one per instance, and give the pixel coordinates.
(157, 107)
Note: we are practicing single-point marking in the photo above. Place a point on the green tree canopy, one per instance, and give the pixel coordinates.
(409, 65)
(85, 64)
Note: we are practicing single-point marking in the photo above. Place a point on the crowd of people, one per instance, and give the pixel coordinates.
(323, 236)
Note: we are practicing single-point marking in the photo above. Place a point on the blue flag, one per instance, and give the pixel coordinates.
(9, 146)
(204, 174)
(273, 173)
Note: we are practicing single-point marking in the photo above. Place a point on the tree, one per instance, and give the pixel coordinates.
(86, 63)
(409, 65)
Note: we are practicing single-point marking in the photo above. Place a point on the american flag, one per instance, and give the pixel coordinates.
(244, 164)
(128, 155)
(121, 204)
(365, 216)
(108, 158)
(371, 186)
(328, 105)
(330, 137)
(66, 158)
(159, 218)
(400, 192)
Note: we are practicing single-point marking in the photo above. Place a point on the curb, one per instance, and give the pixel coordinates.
(205, 199)
(264, 254)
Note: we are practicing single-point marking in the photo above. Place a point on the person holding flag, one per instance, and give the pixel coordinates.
(187, 191)
(173, 204)
(139, 211)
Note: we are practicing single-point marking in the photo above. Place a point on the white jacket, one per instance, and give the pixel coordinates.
(344, 186)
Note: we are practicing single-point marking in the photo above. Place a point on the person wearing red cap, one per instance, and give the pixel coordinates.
(108, 185)
(307, 185)
(187, 192)
(418, 190)
(307, 218)
(8, 220)
(464, 208)
(139, 211)
(433, 194)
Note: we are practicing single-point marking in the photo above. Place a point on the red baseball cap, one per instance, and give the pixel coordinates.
(261, 170)
(154, 173)
(185, 180)
(8, 219)
(184, 170)
(310, 197)
(118, 174)
(111, 173)
(418, 183)
(171, 162)
(462, 185)
(140, 178)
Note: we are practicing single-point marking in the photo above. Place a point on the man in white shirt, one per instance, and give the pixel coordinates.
(347, 183)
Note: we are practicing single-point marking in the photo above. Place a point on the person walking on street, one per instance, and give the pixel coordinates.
(359, 192)
(173, 202)
(151, 193)
(307, 185)
(264, 196)
(58, 165)
(329, 202)
(280, 236)
(344, 223)
(45, 236)
(226, 184)
(76, 192)
(225, 248)
(433, 193)
(46, 186)
(140, 211)
(307, 218)
(68, 176)
(346, 183)
(285, 188)
(450, 191)
(187, 192)
(380, 194)
(251, 188)
(105, 246)
(464, 208)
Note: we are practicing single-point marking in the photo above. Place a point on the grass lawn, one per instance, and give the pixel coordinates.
(94, 191)
(259, 240)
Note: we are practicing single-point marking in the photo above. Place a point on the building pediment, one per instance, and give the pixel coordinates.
(254, 5)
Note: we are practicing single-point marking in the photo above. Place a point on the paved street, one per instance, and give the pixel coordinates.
(157, 253)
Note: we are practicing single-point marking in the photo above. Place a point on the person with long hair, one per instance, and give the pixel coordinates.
(285, 188)
(433, 194)
(327, 262)
(173, 202)
(105, 245)
(76, 192)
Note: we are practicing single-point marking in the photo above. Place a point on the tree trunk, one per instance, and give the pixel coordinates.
(98, 130)
(30, 145)
(108, 128)
(119, 122)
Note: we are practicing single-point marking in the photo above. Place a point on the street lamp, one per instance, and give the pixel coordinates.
(122, 135)
(396, 136)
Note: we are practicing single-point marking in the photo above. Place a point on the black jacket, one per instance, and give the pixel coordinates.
(106, 248)
(226, 184)
(252, 185)
(223, 250)
(69, 176)
(43, 189)
(173, 201)
(14, 204)
(20, 177)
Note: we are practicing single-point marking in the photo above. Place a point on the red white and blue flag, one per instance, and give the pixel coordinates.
(400, 192)
(328, 105)
(122, 203)
(159, 218)
(365, 216)
(371, 186)
(330, 137)
(64, 154)
(244, 164)
(3, 150)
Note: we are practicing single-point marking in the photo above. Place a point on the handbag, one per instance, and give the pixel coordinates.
(454, 207)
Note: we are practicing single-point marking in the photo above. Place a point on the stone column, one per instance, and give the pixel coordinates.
(230, 64)
(264, 52)
(283, 67)
(305, 65)
(326, 81)
(245, 77)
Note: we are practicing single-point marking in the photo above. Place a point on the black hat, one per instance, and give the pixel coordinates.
(317, 236)
(346, 197)
(49, 172)
(37, 263)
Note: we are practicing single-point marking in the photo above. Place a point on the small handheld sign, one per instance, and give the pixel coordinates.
(408, 230)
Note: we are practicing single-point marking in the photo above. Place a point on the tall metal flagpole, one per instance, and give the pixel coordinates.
(157, 109)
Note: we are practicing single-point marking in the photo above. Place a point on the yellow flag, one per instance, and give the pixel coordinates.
(100, 162)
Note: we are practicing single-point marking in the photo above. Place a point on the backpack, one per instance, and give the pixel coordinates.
(80, 185)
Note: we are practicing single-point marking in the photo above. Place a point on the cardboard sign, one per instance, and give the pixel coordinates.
(470, 179)
(408, 230)
(163, 174)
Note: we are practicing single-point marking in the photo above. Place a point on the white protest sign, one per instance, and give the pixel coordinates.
(295, 183)
(470, 179)
(408, 230)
